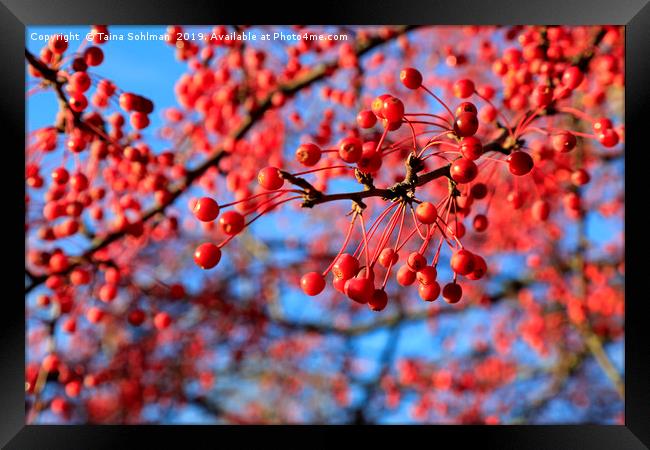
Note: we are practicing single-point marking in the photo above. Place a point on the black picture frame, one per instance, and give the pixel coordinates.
(15, 15)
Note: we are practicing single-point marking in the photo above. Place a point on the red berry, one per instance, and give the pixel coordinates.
(541, 210)
(70, 325)
(207, 255)
(93, 56)
(426, 213)
(602, 124)
(563, 142)
(427, 275)
(480, 268)
(206, 209)
(471, 148)
(572, 77)
(94, 314)
(107, 292)
(80, 82)
(350, 149)
(371, 159)
(359, 289)
(462, 262)
(58, 44)
(542, 96)
(387, 257)
(378, 105)
(452, 292)
(136, 317)
(231, 222)
(379, 300)
(480, 222)
(312, 283)
(129, 102)
(416, 261)
(463, 88)
(608, 138)
(411, 78)
(139, 120)
(393, 109)
(162, 320)
(429, 292)
(463, 171)
(580, 177)
(466, 107)
(59, 405)
(73, 388)
(520, 163)
(345, 267)
(270, 178)
(405, 276)
(308, 154)
(466, 124)
(478, 191)
(366, 119)
(78, 102)
(58, 263)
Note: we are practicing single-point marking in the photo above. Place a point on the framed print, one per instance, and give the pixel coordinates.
(388, 215)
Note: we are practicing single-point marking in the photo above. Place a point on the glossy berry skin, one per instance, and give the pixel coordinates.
(427, 275)
(572, 77)
(393, 109)
(480, 268)
(387, 257)
(350, 149)
(602, 124)
(345, 267)
(129, 102)
(162, 320)
(542, 96)
(231, 222)
(312, 283)
(78, 102)
(452, 293)
(359, 289)
(462, 262)
(466, 107)
(378, 105)
(411, 78)
(308, 154)
(378, 301)
(426, 213)
(480, 223)
(608, 138)
(463, 88)
(366, 119)
(471, 148)
(416, 261)
(520, 163)
(429, 292)
(466, 124)
(206, 209)
(405, 276)
(463, 171)
(563, 142)
(270, 178)
(207, 255)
